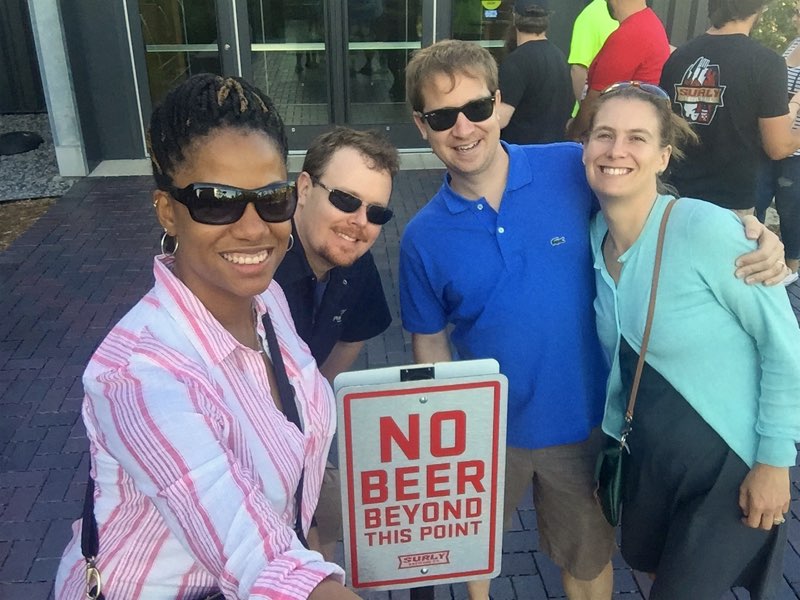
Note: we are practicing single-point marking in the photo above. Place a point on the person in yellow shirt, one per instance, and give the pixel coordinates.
(592, 26)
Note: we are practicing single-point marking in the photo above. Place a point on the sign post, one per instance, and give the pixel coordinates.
(422, 467)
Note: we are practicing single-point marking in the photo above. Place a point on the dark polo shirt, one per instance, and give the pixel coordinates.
(352, 307)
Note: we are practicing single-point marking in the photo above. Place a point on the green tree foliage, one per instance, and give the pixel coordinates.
(775, 28)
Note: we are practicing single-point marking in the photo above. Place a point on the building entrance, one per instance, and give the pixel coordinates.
(322, 61)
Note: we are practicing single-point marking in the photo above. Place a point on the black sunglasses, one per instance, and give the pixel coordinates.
(647, 88)
(476, 111)
(216, 204)
(376, 214)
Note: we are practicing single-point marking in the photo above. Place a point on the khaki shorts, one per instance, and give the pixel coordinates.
(572, 529)
(329, 507)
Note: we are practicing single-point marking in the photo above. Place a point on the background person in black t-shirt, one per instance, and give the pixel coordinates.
(732, 91)
(329, 276)
(535, 85)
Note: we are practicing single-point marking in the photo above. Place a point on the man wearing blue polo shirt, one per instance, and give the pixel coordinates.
(501, 253)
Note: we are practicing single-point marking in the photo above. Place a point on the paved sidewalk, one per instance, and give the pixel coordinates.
(66, 282)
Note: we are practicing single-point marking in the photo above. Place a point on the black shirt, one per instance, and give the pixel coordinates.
(352, 308)
(535, 80)
(722, 85)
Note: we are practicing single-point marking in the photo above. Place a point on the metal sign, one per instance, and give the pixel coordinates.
(422, 468)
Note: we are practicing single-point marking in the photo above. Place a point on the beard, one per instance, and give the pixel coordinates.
(334, 257)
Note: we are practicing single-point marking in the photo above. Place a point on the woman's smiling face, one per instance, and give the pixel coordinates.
(623, 154)
(225, 264)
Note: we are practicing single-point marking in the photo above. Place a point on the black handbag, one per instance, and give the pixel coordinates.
(610, 474)
(611, 468)
(90, 541)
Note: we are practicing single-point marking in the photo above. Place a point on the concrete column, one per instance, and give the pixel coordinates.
(62, 109)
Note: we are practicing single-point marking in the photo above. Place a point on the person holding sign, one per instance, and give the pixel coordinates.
(502, 254)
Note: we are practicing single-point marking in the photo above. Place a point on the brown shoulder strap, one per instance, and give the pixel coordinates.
(650, 310)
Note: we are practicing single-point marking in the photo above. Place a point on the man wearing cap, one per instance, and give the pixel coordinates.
(636, 51)
(535, 88)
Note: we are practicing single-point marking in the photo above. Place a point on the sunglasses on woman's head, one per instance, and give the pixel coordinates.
(216, 204)
(476, 111)
(376, 214)
(647, 88)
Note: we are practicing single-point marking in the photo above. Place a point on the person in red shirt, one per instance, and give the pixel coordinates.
(636, 51)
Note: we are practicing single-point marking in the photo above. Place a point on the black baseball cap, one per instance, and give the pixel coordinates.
(523, 6)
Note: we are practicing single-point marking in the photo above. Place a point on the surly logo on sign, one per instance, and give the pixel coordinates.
(700, 93)
(424, 559)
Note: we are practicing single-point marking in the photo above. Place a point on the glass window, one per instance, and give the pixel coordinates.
(486, 21)
(180, 39)
(288, 58)
(382, 35)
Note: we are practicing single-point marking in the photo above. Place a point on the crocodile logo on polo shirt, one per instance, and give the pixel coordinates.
(557, 241)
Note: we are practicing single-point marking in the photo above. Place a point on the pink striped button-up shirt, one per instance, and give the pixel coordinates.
(195, 467)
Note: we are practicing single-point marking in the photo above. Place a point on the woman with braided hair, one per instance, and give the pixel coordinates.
(205, 482)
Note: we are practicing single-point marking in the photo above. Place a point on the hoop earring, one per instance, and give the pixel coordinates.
(291, 242)
(169, 244)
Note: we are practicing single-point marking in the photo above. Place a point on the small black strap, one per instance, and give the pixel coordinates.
(289, 405)
(89, 539)
(90, 543)
(285, 388)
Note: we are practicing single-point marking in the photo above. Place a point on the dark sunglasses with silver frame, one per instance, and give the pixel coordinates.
(345, 202)
(217, 204)
(647, 88)
(443, 119)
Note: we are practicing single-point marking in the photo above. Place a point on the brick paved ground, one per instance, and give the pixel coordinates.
(65, 283)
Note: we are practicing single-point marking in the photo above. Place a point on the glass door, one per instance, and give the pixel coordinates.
(181, 38)
(381, 36)
(289, 58)
(323, 62)
(488, 22)
(328, 62)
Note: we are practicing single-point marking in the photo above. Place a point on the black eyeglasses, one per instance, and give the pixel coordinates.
(215, 204)
(376, 214)
(647, 88)
(476, 111)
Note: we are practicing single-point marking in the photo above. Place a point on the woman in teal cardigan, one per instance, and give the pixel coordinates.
(718, 411)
